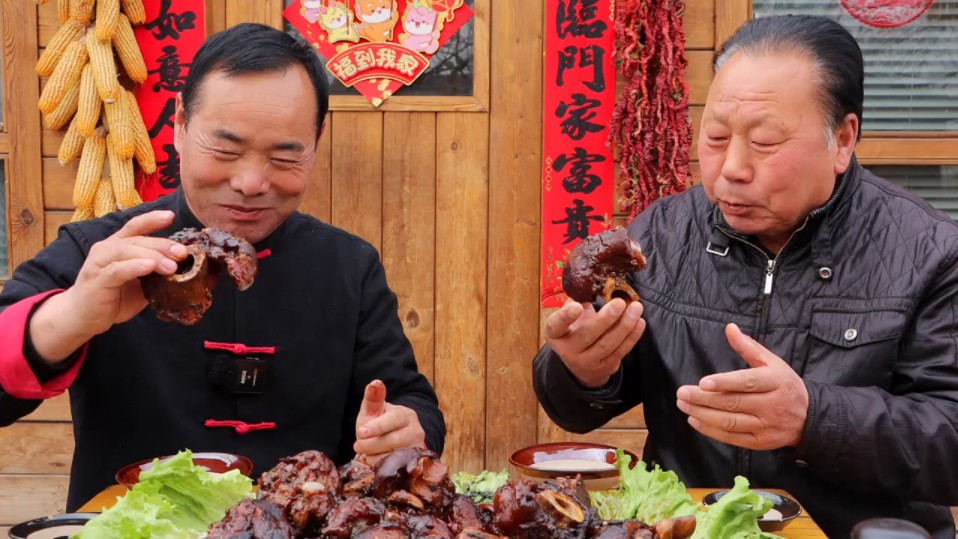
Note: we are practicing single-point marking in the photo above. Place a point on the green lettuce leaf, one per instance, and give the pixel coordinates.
(735, 515)
(174, 499)
(612, 504)
(481, 488)
(647, 495)
(665, 497)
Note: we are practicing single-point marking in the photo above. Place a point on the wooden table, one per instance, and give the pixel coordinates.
(802, 527)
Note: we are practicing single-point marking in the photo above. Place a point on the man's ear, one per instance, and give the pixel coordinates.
(846, 138)
(179, 123)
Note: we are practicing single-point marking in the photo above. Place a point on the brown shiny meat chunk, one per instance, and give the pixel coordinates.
(404, 500)
(186, 295)
(631, 529)
(385, 530)
(518, 513)
(352, 516)
(253, 519)
(426, 526)
(529, 510)
(597, 267)
(463, 514)
(472, 533)
(306, 485)
(357, 478)
(675, 527)
(417, 471)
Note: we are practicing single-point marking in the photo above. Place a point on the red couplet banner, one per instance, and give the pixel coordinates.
(173, 32)
(578, 171)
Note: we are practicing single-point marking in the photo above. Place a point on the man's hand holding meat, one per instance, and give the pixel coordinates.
(107, 289)
(592, 344)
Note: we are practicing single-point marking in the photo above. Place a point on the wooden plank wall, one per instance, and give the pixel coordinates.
(451, 199)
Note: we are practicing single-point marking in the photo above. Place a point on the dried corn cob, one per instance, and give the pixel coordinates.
(107, 15)
(65, 110)
(63, 11)
(121, 172)
(82, 214)
(104, 202)
(124, 41)
(71, 146)
(104, 68)
(91, 168)
(66, 74)
(120, 124)
(143, 149)
(81, 10)
(134, 10)
(89, 105)
(68, 33)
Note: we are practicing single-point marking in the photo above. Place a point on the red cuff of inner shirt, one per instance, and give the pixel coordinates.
(16, 376)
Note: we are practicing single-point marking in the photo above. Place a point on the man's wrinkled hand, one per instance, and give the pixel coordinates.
(107, 289)
(763, 407)
(592, 344)
(382, 427)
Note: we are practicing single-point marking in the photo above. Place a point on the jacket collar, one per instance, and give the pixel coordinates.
(823, 214)
(184, 215)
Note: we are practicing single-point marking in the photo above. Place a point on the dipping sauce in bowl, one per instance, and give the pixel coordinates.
(573, 465)
(55, 527)
(772, 514)
(595, 463)
(783, 511)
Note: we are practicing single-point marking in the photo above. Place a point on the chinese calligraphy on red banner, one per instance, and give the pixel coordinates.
(377, 46)
(173, 32)
(377, 61)
(578, 190)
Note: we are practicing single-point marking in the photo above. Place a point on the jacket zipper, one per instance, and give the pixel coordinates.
(766, 294)
(743, 463)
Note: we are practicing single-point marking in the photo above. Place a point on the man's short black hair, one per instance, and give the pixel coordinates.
(834, 52)
(255, 48)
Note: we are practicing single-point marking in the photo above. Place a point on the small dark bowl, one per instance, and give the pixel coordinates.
(606, 479)
(788, 507)
(64, 525)
(129, 475)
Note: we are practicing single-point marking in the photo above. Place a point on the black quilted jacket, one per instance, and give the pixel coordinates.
(863, 304)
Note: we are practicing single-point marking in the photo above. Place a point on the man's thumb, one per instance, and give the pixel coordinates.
(750, 350)
(374, 399)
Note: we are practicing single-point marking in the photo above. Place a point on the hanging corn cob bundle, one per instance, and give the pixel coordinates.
(83, 94)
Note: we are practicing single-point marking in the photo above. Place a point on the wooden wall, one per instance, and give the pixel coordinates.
(453, 205)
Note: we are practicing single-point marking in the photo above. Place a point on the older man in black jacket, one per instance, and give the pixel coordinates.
(799, 316)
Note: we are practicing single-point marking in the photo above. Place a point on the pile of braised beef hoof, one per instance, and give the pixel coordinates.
(409, 494)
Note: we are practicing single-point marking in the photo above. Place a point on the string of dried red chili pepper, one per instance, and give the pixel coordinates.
(651, 128)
